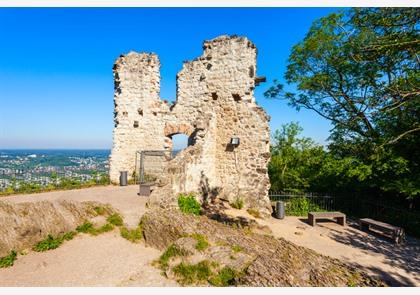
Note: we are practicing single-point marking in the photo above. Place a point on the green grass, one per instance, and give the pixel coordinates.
(225, 277)
(99, 210)
(202, 242)
(88, 228)
(189, 274)
(171, 251)
(237, 248)
(106, 228)
(188, 204)
(115, 219)
(300, 206)
(238, 203)
(192, 274)
(133, 235)
(9, 260)
(50, 242)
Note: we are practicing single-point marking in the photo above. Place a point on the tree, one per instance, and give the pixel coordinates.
(360, 69)
(294, 159)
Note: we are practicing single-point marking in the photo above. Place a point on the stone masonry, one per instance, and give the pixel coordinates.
(215, 102)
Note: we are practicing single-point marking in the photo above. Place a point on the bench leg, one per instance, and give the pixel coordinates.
(364, 227)
(312, 220)
(341, 220)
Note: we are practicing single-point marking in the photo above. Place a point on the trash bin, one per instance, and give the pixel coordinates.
(279, 214)
(123, 178)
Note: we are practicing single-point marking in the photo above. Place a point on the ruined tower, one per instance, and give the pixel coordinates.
(215, 103)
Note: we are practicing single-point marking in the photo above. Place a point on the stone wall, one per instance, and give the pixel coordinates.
(215, 101)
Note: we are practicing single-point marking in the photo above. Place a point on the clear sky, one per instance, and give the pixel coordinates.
(56, 84)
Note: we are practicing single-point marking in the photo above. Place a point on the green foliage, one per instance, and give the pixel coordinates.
(106, 228)
(9, 260)
(300, 206)
(193, 273)
(202, 242)
(115, 219)
(50, 242)
(99, 210)
(225, 277)
(358, 69)
(65, 183)
(133, 235)
(237, 248)
(294, 161)
(238, 203)
(86, 227)
(170, 252)
(188, 204)
(203, 272)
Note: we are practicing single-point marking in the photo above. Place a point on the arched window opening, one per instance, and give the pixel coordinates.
(179, 142)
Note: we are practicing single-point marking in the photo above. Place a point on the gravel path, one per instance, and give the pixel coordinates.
(104, 260)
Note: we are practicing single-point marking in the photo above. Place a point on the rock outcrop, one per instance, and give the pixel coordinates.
(25, 224)
(262, 260)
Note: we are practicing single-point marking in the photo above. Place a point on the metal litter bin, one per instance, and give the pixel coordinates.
(279, 213)
(123, 178)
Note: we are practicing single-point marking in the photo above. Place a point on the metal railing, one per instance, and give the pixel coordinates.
(357, 206)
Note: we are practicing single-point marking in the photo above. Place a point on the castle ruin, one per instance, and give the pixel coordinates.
(214, 103)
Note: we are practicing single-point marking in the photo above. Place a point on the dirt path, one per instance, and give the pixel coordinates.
(123, 198)
(398, 264)
(104, 260)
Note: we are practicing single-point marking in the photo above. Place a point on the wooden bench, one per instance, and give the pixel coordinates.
(338, 216)
(394, 232)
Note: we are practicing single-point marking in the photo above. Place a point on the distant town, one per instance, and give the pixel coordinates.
(49, 167)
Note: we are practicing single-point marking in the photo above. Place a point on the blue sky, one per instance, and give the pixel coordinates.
(56, 85)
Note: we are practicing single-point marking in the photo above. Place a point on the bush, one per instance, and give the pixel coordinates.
(188, 204)
(9, 260)
(238, 203)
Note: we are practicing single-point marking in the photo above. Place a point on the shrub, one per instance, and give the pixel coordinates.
(115, 219)
(9, 260)
(133, 235)
(188, 204)
(238, 203)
